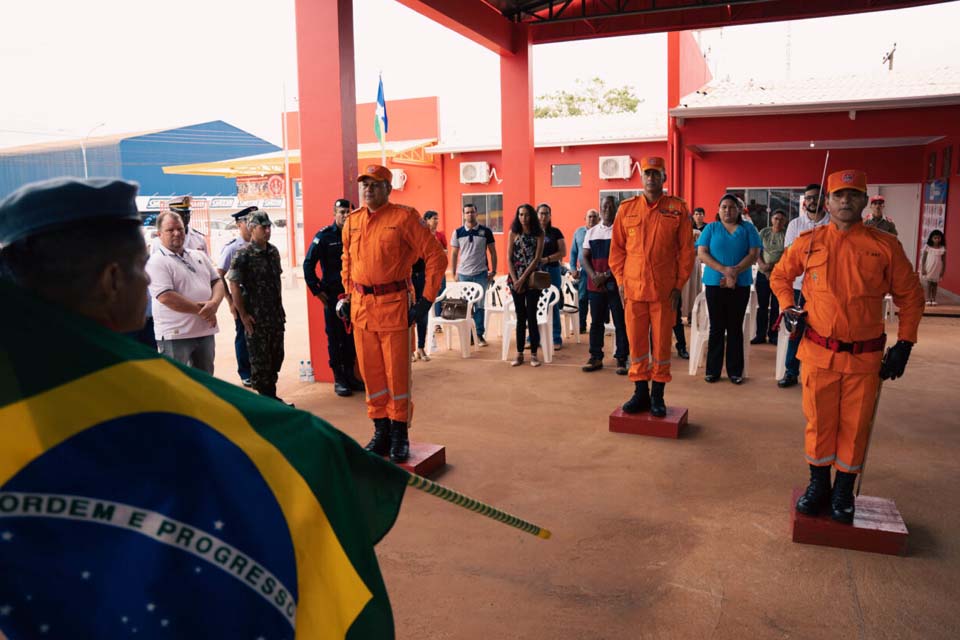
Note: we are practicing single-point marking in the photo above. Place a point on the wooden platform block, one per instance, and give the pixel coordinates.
(877, 527)
(644, 424)
(425, 458)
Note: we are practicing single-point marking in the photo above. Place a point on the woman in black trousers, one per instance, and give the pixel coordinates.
(525, 244)
(728, 248)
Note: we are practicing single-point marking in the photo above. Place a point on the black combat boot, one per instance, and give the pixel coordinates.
(399, 443)
(340, 385)
(658, 408)
(815, 498)
(640, 400)
(842, 500)
(380, 443)
(352, 381)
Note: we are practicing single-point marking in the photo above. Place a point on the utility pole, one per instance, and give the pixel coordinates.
(888, 58)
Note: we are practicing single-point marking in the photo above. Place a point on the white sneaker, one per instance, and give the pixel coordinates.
(481, 342)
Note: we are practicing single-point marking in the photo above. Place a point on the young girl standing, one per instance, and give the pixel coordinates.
(933, 264)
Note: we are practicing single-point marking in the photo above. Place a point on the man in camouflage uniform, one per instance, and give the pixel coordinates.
(254, 278)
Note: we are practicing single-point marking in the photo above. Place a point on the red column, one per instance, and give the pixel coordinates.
(328, 132)
(675, 159)
(516, 126)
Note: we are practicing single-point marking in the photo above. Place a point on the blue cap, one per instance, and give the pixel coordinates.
(65, 202)
(241, 215)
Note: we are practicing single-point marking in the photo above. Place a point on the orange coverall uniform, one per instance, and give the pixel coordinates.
(380, 248)
(651, 253)
(847, 276)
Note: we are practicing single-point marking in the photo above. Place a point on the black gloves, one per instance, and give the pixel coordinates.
(419, 309)
(792, 317)
(895, 360)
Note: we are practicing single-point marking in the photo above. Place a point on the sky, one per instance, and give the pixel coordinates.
(99, 67)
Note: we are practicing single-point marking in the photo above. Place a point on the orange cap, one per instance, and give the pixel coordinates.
(376, 172)
(847, 179)
(653, 162)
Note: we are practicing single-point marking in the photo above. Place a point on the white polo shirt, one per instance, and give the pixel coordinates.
(191, 275)
(797, 226)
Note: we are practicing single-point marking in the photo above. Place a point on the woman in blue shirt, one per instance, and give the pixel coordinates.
(728, 248)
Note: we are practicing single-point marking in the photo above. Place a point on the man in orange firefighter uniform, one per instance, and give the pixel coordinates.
(849, 268)
(381, 241)
(651, 256)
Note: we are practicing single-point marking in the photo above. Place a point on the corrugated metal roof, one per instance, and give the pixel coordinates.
(887, 89)
(97, 141)
(613, 128)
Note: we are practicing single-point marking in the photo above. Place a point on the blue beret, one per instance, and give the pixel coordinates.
(65, 202)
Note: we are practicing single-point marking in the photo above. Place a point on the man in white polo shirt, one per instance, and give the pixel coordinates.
(189, 290)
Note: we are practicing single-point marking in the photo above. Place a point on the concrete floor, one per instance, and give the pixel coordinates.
(654, 538)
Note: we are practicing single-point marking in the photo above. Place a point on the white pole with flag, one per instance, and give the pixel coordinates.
(380, 126)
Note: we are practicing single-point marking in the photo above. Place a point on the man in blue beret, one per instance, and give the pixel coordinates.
(77, 243)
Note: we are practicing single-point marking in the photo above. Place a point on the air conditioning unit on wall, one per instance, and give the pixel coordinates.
(399, 179)
(616, 167)
(474, 173)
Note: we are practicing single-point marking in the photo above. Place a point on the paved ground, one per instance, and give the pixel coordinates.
(654, 538)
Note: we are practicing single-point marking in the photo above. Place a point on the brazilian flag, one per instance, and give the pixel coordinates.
(142, 498)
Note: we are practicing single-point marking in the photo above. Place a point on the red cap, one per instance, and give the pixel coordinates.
(376, 172)
(653, 162)
(847, 179)
(877, 199)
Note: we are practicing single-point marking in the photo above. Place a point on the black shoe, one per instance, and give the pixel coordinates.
(640, 400)
(789, 380)
(842, 500)
(773, 340)
(682, 352)
(399, 442)
(736, 379)
(758, 340)
(380, 443)
(354, 383)
(658, 407)
(817, 495)
(592, 365)
(711, 378)
(622, 369)
(247, 382)
(341, 389)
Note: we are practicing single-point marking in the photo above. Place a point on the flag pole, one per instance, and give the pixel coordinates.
(459, 499)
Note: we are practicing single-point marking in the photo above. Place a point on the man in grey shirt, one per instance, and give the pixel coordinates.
(768, 308)
(469, 246)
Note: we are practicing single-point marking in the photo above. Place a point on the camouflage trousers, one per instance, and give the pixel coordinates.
(265, 345)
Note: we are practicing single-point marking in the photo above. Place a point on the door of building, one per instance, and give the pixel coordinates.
(903, 207)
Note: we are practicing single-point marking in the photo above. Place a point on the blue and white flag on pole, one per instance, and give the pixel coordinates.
(380, 119)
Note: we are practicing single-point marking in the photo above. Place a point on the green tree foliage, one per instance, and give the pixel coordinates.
(589, 98)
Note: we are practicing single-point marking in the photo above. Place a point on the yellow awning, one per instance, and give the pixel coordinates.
(269, 163)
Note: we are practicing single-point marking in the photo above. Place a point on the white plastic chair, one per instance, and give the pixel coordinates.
(700, 331)
(783, 336)
(545, 304)
(466, 329)
(495, 302)
(570, 313)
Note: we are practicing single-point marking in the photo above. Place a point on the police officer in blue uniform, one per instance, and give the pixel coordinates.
(327, 251)
(223, 266)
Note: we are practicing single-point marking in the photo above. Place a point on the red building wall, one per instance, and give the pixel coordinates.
(569, 204)
(716, 171)
(951, 280)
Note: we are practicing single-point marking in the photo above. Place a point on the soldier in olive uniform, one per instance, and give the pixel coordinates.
(254, 278)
